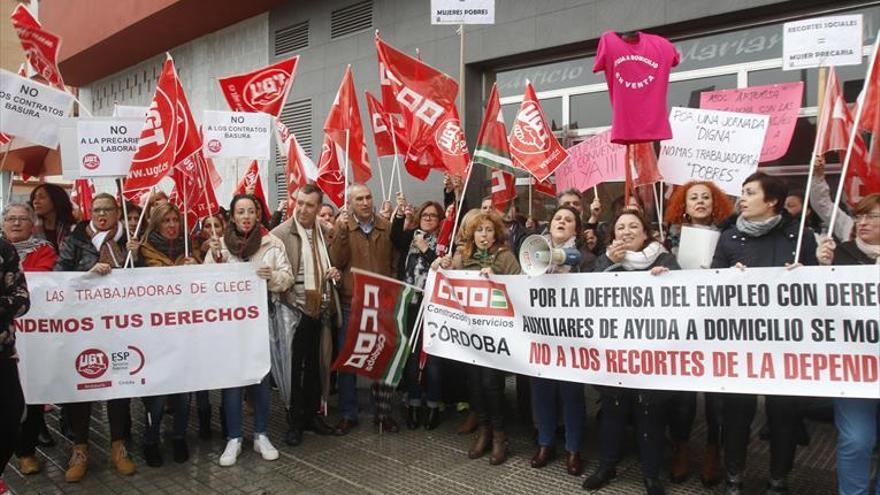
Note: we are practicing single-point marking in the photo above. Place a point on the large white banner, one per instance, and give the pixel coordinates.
(30, 110)
(462, 11)
(811, 331)
(141, 332)
(237, 134)
(822, 41)
(722, 147)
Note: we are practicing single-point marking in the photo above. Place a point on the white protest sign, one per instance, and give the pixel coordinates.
(811, 331)
(462, 11)
(30, 110)
(696, 247)
(237, 134)
(822, 41)
(142, 332)
(130, 111)
(105, 146)
(722, 147)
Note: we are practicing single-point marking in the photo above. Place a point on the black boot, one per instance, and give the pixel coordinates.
(413, 419)
(777, 486)
(600, 478)
(152, 455)
(654, 487)
(432, 419)
(181, 450)
(205, 424)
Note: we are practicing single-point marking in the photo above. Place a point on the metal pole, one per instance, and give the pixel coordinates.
(820, 137)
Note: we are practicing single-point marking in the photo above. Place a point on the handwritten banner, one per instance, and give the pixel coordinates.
(810, 331)
(591, 162)
(781, 102)
(722, 147)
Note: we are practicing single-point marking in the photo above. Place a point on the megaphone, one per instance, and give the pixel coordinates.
(536, 256)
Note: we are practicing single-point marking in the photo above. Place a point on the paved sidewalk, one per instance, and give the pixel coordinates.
(416, 462)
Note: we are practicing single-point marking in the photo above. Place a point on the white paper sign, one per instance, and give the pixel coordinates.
(696, 247)
(142, 332)
(30, 110)
(822, 41)
(462, 11)
(722, 147)
(105, 146)
(130, 111)
(237, 134)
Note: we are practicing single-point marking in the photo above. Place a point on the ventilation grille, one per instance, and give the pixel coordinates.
(291, 39)
(352, 19)
(297, 116)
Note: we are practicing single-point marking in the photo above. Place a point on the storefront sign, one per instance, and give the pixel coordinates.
(30, 110)
(141, 332)
(237, 134)
(811, 331)
(462, 11)
(822, 42)
(723, 147)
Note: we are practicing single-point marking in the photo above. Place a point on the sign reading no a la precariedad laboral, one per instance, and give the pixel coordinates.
(30, 110)
(822, 41)
(722, 147)
(237, 134)
(106, 145)
(462, 11)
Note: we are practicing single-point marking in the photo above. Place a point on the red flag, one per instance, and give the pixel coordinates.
(344, 127)
(546, 187)
(330, 179)
(870, 120)
(389, 101)
(503, 188)
(158, 140)
(189, 136)
(40, 46)
(645, 170)
(444, 238)
(383, 123)
(263, 90)
(449, 141)
(492, 149)
(81, 195)
(376, 343)
(252, 180)
(192, 179)
(532, 144)
(296, 173)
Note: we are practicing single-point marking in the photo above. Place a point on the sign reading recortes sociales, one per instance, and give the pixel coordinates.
(462, 11)
(105, 146)
(782, 102)
(812, 331)
(236, 134)
(722, 147)
(30, 110)
(149, 331)
(822, 41)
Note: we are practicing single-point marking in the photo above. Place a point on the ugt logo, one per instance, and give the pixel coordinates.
(265, 88)
(474, 297)
(450, 138)
(530, 136)
(92, 363)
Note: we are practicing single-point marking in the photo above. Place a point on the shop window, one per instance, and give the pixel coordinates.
(851, 77)
(687, 93)
(589, 110)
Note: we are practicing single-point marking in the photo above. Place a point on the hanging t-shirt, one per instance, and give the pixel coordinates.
(637, 74)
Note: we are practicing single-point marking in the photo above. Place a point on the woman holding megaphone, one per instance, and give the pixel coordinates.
(631, 248)
(564, 226)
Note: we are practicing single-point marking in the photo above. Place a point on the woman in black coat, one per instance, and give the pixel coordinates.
(631, 248)
(762, 235)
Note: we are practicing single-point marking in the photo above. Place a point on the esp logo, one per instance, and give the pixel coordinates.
(474, 297)
(92, 363)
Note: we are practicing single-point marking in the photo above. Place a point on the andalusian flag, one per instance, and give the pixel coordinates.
(376, 345)
(492, 149)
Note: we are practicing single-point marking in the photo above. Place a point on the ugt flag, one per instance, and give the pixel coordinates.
(376, 345)
(263, 90)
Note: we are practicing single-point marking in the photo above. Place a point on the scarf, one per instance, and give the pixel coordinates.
(171, 248)
(107, 243)
(28, 246)
(871, 250)
(415, 267)
(570, 243)
(759, 228)
(244, 246)
(315, 263)
(640, 260)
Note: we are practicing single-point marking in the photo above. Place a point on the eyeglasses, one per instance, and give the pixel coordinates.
(103, 211)
(17, 220)
(430, 215)
(867, 216)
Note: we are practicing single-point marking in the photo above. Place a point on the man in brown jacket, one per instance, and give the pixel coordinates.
(307, 253)
(362, 240)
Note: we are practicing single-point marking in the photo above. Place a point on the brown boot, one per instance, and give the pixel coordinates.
(711, 474)
(78, 464)
(120, 460)
(469, 425)
(499, 448)
(29, 464)
(481, 442)
(678, 469)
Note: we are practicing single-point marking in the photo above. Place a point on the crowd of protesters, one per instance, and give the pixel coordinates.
(307, 261)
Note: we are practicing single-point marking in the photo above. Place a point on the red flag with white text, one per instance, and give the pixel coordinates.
(330, 178)
(251, 181)
(263, 90)
(40, 46)
(383, 124)
(503, 188)
(533, 146)
(343, 126)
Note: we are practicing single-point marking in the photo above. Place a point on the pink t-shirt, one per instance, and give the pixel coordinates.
(638, 77)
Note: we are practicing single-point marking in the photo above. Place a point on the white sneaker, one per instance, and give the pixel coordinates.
(264, 447)
(230, 455)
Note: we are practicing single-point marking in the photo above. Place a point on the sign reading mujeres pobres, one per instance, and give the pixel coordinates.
(462, 11)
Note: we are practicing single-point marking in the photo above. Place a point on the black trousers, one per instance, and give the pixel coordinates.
(305, 380)
(648, 410)
(80, 414)
(11, 409)
(784, 421)
(30, 430)
(487, 396)
(683, 410)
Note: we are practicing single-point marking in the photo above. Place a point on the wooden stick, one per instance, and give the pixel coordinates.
(820, 137)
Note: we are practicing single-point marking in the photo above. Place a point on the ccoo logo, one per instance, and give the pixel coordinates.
(475, 297)
(91, 363)
(530, 136)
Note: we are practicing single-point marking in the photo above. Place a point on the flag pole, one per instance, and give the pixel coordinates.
(396, 158)
(531, 181)
(381, 179)
(820, 137)
(7, 197)
(860, 106)
(137, 229)
(345, 198)
(657, 204)
(124, 209)
(185, 222)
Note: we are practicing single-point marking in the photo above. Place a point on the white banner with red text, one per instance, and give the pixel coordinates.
(142, 332)
(810, 331)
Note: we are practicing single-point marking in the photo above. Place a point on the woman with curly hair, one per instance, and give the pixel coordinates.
(696, 204)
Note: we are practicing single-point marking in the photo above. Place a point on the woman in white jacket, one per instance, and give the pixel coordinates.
(247, 241)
